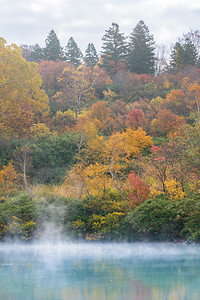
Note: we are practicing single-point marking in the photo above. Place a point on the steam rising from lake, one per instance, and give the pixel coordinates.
(58, 250)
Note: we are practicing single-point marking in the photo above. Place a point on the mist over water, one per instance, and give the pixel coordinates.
(54, 249)
(53, 245)
(58, 270)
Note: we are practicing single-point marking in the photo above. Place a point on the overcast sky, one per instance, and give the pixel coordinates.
(30, 21)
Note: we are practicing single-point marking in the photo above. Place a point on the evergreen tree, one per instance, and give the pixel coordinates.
(53, 49)
(194, 36)
(141, 57)
(72, 53)
(91, 57)
(37, 53)
(114, 49)
(183, 55)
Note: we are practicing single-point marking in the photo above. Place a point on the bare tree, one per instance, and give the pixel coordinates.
(161, 58)
(22, 157)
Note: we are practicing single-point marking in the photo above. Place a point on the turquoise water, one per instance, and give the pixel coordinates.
(84, 271)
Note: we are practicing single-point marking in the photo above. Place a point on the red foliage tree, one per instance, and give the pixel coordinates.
(50, 71)
(135, 118)
(138, 190)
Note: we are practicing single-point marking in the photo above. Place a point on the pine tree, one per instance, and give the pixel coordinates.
(191, 54)
(37, 53)
(53, 49)
(72, 53)
(114, 49)
(141, 57)
(91, 57)
(194, 36)
(183, 55)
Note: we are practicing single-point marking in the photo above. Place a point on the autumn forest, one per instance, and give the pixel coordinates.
(104, 146)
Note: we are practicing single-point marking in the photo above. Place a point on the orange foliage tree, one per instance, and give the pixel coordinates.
(176, 102)
(166, 122)
(8, 180)
(108, 119)
(194, 93)
(100, 114)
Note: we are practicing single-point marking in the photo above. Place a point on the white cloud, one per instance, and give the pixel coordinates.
(192, 4)
(29, 22)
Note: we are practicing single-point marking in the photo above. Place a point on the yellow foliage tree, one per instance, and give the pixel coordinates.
(22, 102)
(63, 121)
(92, 180)
(121, 147)
(89, 144)
(97, 179)
(109, 95)
(155, 103)
(194, 92)
(75, 182)
(39, 130)
(174, 190)
(76, 86)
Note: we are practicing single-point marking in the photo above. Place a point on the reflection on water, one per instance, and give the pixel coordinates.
(99, 271)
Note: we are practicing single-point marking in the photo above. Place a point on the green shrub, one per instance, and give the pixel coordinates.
(51, 157)
(164, 220)
(96, 218)
(18, 217)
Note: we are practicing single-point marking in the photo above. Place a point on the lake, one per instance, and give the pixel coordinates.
(98, 271)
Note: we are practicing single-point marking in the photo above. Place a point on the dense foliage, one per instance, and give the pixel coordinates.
(102, 148)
